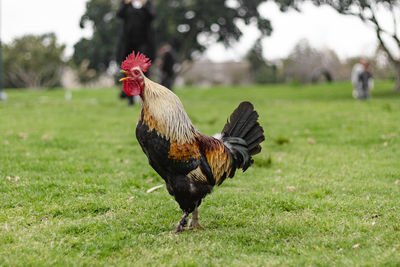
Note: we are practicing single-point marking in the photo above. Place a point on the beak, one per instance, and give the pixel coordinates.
(126, 74)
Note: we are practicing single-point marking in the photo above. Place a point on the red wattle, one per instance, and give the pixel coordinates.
(131, 88)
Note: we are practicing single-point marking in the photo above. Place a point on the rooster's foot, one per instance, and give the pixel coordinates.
(179, 229)
(194, 222)
(195, 225)
(182, 223)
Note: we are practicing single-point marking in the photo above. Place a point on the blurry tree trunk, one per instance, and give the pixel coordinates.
(1, 68)
(380, 32)
(395, 61)
(397, 85)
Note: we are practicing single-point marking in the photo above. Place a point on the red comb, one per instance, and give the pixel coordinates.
(138, 60)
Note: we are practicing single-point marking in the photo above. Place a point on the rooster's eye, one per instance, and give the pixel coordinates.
(137, 72)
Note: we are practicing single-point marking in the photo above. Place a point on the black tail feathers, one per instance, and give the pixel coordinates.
(242, 134)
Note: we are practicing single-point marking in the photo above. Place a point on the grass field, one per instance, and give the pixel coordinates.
(324, 191)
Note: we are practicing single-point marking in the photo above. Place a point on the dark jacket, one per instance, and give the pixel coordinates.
(137, 32)
(168, 62)
(363, 78)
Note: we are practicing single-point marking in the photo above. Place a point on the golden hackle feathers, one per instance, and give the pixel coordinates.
(164, 112)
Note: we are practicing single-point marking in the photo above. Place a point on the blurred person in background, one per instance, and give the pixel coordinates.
(361, 78)
(366, 82)
(357, 69)
(167, 62)
(137, 32)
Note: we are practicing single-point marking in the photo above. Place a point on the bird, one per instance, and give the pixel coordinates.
(190, 163)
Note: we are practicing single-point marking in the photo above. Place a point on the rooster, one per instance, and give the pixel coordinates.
(191, 163)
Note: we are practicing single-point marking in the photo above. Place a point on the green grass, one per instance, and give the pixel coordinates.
(322, 192)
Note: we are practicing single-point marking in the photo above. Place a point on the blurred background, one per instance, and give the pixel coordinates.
(73, 44)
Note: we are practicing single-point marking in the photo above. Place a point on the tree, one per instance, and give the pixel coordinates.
(1, 68)
(3, 95)
(95, 53)
(261, 71)
(191, 25)
(33, 61)
(366, 10)
(187, 25)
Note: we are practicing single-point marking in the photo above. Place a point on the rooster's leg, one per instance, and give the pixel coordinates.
(182, 223)
(194, 222)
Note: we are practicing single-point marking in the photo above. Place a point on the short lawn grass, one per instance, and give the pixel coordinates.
(324, 191)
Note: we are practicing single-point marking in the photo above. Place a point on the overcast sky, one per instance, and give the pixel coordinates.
(323, 27)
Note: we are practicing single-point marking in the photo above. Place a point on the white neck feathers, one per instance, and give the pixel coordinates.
(164, 112)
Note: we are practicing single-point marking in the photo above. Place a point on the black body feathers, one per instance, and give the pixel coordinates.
(242, 134)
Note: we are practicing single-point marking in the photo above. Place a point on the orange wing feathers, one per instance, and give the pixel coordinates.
(183, 152)
(217, 156)
(214, 151)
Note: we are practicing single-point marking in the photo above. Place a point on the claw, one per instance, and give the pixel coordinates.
(179, 229)
(195, 226)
